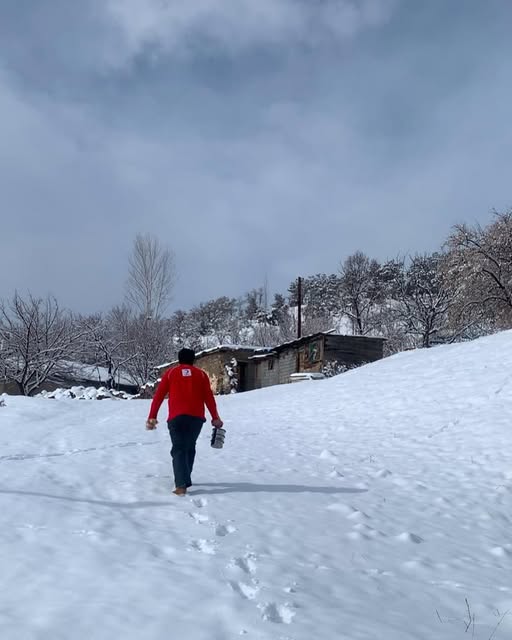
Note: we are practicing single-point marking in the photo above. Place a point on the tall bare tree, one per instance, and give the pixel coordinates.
(151, 276)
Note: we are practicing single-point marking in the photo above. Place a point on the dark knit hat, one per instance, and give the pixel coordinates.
(186, 356)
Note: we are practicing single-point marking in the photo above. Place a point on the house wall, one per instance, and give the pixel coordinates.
(311, 355)
(353, 350)
(287, 364)
(252, 376)
(213, 365)
(268, 376)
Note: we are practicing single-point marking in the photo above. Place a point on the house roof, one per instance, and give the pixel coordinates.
(218, 349)
(93, 373)
(260, 353)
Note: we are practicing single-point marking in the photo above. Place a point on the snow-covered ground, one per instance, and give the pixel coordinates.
(376, 505)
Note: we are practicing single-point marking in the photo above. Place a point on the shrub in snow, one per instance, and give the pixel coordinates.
(2, 403)
(147, 391)
(333, 368)
(231, 368)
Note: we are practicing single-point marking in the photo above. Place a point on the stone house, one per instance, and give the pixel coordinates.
(234, 368)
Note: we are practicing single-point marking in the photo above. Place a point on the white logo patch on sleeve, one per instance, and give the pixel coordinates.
(186, 373)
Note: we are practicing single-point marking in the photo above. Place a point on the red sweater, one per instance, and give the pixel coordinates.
(189, 390)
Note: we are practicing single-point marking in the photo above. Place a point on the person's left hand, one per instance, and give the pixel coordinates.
(151, 424)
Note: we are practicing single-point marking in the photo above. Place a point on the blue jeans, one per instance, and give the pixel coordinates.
(184, 431)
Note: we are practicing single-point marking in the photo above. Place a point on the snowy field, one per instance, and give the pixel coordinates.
(372, 506)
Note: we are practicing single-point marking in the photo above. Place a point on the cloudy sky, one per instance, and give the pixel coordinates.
(257, 138)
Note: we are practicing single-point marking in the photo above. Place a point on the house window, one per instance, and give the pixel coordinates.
(270, 364)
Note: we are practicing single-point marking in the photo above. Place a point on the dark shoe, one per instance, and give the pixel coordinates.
(180, 491)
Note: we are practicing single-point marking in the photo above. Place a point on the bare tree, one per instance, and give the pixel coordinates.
(151, 276)
(361, 292)
(103, 346)
(481, 259)
(425, 299)
(37, 341)
(145, 343)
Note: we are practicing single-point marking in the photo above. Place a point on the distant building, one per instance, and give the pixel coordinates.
(235, 368)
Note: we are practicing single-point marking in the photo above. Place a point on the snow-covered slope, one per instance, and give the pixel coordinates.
(376, 505)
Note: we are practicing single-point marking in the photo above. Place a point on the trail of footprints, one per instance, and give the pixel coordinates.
(243, 569)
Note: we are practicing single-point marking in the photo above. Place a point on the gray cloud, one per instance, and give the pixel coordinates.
(238, 25)
(265, 141)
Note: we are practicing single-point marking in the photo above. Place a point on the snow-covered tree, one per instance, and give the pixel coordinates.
(103, 346)
(361, 292)
(218, 320)
(481, 259)
(254, 305)
(425, 298)
(37, 341)
(185, 331)
(146, 343)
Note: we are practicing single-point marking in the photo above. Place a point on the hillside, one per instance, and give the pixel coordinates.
(376, 505)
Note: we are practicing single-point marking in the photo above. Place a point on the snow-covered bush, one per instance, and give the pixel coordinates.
(85, 393)
(333, 368)
(231, 368)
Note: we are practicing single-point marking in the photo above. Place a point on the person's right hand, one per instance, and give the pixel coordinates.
(151, 424)
(217, 423)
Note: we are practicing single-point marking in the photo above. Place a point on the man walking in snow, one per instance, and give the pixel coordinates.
(189, 391)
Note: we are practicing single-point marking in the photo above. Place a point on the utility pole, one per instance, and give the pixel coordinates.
(299, 309)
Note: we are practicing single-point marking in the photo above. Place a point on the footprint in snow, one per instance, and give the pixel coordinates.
(245, 590)
(356, 535)
(329, 456)
(358, 515)
(291, 588)
(383, 473)
(222, 530)
(200, 518)
(369, 531)
(410, 537)
(163, 553)
(203, 546)
(247, 564)
(273, 612)
(200, 502)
